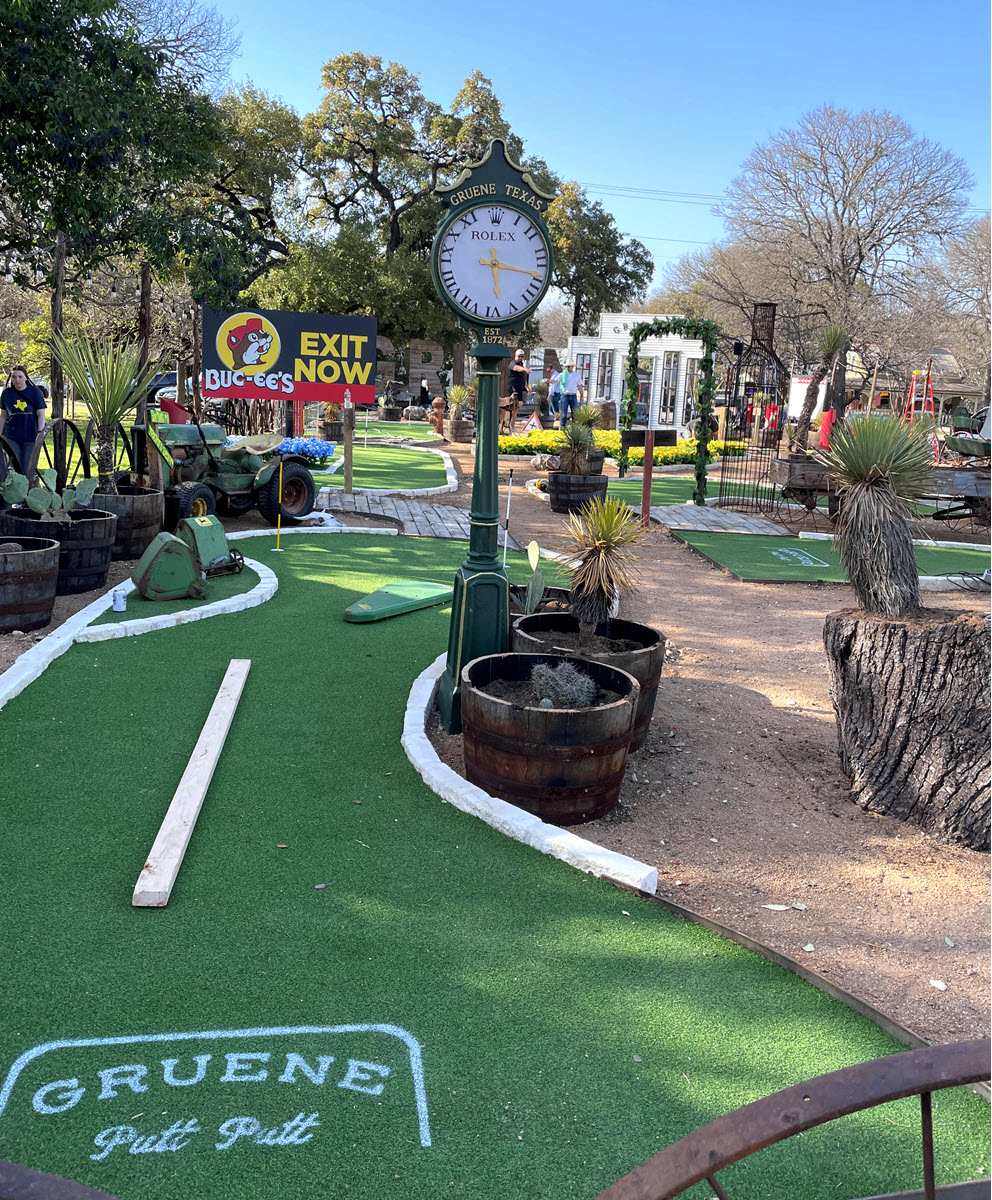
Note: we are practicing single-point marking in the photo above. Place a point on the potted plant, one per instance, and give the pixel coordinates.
(395, 399)
(85, 535)
(332, 426)
(598, 543)
(457, 428)
(548, 735)
(910, 686)
(29, 569)
(571, 485)
(109, 378)
(585, 414)
(544, 415)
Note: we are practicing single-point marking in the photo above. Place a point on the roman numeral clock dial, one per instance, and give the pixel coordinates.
(493, 263)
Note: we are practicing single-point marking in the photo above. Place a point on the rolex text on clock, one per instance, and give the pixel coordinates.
(493, 263)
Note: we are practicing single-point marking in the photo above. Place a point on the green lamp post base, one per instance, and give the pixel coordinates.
(480, 610)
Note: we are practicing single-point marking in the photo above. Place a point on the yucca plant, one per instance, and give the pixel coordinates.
(879, 464)
(458, 396)
(599, 539)
(830, 341)
(108, 378)
(574, 450)
(586, 415)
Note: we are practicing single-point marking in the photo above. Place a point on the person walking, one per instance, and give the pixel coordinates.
(519, 377)
(554, 392)
(24, 407)
(572, 392)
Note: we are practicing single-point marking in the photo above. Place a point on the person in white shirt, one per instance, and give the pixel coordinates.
(554, 392)
(572, 391)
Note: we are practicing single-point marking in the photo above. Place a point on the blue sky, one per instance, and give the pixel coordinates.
(657, 96)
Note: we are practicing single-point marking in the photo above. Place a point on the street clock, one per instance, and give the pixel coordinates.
(492, 259)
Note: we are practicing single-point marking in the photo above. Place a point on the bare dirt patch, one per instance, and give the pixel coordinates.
(738, 799)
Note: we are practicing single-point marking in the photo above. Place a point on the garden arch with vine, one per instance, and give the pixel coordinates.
(706, 332)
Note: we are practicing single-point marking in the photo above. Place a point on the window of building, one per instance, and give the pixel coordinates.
(604, 378)
(667, 387)
(689, 390)
(583, 364)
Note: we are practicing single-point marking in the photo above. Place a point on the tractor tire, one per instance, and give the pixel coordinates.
(234, 506)
(194, 500)
(298, 495)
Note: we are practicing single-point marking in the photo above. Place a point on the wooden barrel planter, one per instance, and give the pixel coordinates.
(569, 492)
(27, 583)
(86, 542)
(140, 513)
(564, 765)
(536, 635)
(459, 430)
(390, 413)
(596, 456)
(607, 410)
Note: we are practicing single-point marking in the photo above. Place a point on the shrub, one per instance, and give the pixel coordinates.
(549, 441)
(565, 686)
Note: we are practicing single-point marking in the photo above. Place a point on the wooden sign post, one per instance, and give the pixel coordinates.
(348, 426)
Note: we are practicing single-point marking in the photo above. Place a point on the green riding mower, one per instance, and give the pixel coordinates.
(201, 475)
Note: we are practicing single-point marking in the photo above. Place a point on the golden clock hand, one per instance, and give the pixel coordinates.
(491, 262)
(521, 270)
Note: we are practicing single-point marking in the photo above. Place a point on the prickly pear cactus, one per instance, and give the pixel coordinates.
(535, 593)
(51, 479)
(80, 495)
(48, 505)
(14, 488)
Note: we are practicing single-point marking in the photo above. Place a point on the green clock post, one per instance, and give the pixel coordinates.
(491, 262)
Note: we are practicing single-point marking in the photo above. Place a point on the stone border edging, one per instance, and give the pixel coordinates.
(829, 537)
(29, 665)
(505, 817)
(450, 474)
(535, 491)
(265, 589)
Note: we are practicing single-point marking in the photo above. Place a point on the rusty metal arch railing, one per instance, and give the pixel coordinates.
(701, 1154)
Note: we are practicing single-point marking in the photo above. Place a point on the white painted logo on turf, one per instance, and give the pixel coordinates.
(801, 557)
(230, 1069)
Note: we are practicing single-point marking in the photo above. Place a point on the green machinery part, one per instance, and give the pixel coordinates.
(168, 570)
(176, 567)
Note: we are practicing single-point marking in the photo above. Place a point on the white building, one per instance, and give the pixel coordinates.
(667, 367)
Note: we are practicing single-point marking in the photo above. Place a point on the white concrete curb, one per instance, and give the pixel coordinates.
(535, 491)
(265, 589)
(507, 818)
(450, 473)
(32, 662)
(372, 529)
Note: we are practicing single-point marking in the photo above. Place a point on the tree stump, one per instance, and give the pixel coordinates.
(911, 696)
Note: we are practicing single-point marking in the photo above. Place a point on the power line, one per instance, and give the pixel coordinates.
(652, 193)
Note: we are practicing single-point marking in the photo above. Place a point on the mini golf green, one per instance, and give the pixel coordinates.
(349, 968)
(417, 431)
(221, 587)
(755, 558)
(399, 468)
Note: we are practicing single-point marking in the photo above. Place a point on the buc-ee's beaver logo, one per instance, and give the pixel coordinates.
(248, 342)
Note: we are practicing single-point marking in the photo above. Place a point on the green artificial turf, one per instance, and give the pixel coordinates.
(567, 1029)
(218, 588)
(417, 431)
(756, 558)
(399, 467)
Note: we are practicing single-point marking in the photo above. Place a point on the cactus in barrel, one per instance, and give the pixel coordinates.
(565, 686)
(45, 499)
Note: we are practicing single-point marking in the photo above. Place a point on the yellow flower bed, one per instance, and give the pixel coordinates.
(548, 441)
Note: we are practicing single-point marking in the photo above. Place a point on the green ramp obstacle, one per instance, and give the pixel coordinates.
(397, 598)
(755, 558)
(358, 992)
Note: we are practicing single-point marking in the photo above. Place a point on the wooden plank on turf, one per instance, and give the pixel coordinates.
(159, 873)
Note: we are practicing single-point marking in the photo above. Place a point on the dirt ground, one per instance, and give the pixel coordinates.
(737, 796)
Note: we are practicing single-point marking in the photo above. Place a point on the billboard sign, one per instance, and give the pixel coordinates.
(254, 354)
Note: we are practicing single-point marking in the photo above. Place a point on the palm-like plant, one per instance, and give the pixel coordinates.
(586, 415)
(879, 464)
(109, 379)
(574, 450)
(599, 538)
(458, 396)
(830, 341)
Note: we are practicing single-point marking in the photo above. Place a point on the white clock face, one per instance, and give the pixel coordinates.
(493, 262)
